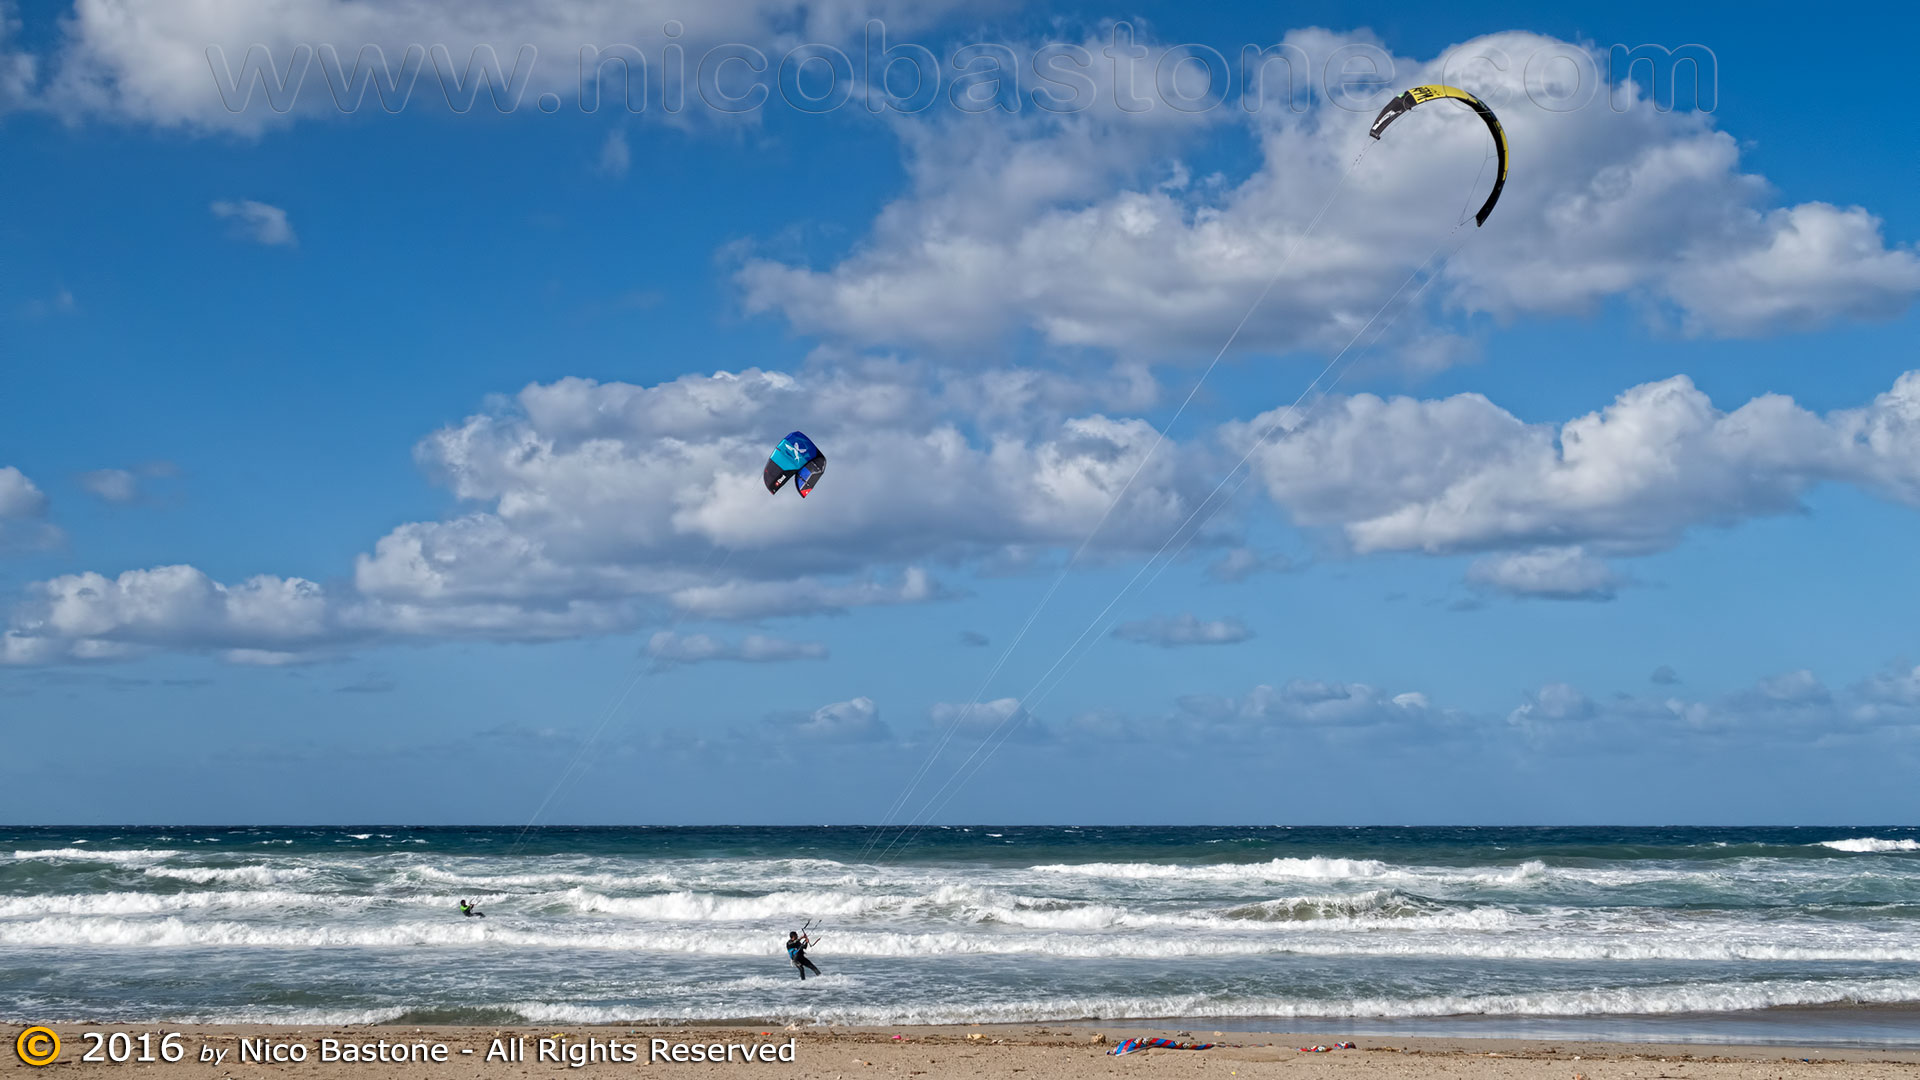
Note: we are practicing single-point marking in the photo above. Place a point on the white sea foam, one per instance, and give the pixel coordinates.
(1871, 844)
(290, 1016)
(254, 875)
(1466, 936)
(520, 882)
(688, 906)
(1379, 903)
(823, 1000)
(770, 982)
(972, 904)
(134, 857)
(794, 1002)
(609, 937)
(1314, 868)
(141, 903)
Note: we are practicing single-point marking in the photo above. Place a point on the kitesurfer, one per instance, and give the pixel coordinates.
(470, 911)
(797, 949)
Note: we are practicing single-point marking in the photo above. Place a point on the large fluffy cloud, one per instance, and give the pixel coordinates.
(592, 491)
(1461, 474)
(1085, 229)
(149, 60)
(600, 508)
(91, 616)
(592, 508)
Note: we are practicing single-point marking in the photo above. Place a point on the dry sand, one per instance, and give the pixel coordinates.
(1028, 1052)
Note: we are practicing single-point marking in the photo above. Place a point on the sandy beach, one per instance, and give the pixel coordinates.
(938, 1053)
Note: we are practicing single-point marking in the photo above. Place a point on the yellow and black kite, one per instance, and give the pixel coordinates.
(1420, 94)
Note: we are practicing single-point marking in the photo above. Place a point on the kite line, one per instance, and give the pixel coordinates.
(607, 715)
(1394, 109)
(1160, 436)
(1004, 730)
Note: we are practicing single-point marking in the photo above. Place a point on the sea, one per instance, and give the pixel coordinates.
(1808, 936)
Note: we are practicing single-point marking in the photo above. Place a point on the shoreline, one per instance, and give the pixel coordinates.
(1689, 1030)
(1070, 1051)
(1851, 1026)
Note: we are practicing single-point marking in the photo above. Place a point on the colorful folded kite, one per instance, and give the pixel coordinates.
(1131, 1045)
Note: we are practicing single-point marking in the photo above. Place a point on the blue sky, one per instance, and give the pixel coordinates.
(353, 466)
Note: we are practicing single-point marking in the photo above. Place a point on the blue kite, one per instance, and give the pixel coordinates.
(795, 456)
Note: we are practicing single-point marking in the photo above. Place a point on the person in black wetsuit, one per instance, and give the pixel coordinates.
(797, 949)
(470, 911)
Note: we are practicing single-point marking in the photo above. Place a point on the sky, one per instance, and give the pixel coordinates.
(389, 451)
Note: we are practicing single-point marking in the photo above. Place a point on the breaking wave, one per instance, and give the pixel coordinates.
(649, 926)
(1871, 844)
(129, 858)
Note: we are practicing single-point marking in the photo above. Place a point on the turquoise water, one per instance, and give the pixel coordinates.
(1796, 934)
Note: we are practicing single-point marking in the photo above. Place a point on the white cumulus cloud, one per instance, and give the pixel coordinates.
(1562, 573)
(615, 156)
(257, 221)
(669, 649)
(1174, 631)
(89, 615)
(19, 496)
(231, 65)
(1003, 720)
(1461, 474)
(852, 721)
(22, 507)
(1085, 229)
(111, 485)
(593, 508)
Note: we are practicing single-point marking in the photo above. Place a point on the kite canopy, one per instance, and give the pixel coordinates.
(1420, 94)
(1135, 1045)
(794, 456)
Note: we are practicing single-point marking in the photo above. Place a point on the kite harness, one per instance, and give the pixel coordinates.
(797, 952)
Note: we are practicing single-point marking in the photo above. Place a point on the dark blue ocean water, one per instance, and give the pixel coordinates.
(1709, 933)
